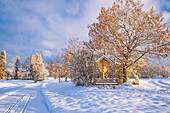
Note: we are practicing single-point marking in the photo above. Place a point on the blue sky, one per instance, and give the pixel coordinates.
(29, 26)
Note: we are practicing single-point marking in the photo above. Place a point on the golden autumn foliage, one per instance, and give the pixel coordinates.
(2, 64)
(128, 34)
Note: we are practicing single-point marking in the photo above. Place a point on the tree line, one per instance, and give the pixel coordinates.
(32, 69)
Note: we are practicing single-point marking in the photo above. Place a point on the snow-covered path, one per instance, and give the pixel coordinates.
(22, 96)
(152, 96)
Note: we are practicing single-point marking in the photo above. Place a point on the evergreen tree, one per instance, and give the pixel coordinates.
(17, 67)
(37, 67)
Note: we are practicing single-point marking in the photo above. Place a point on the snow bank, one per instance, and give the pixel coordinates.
(3, 85)
(151, 96)
(127, 84)
(159, 77)
(8, 87)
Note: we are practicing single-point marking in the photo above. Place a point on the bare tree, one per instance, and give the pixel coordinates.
(27, 67)
(55, 68)
(79, 61)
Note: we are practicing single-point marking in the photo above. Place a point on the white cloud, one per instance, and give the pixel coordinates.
(72, 8)
(149, 3)
(49, 44)
(49, 24)
(166, 16)
(46, 53)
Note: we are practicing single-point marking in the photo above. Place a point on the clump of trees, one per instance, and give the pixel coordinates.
(55, 68)
(77, 62)
(33, 68)
(15, 67)
(128, 35)
(81, 62)
(154, 70)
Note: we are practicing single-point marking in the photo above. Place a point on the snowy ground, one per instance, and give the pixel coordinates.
(17, 96)
(152, 95)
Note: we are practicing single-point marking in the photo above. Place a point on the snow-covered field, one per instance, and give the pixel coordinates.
(151, 96)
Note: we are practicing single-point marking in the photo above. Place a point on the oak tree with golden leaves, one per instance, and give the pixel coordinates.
(129, 33)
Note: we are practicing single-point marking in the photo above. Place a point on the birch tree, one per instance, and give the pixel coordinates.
(129, 33)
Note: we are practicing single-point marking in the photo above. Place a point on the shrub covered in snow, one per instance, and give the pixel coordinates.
(127, 84)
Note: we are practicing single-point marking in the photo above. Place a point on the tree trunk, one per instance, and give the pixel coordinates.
(124, 74)
(7, 76)
(35, 78)
(65, 79)
(16, 73)
(120, 79)
(59, 80)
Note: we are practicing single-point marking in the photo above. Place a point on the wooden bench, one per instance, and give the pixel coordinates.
(107, 81)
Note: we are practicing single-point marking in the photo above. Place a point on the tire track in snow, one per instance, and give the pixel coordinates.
(23, 109)
(163, 82)
(160, 84)
(13, 104)
(21, 104)
(19, 88)
(10, 93)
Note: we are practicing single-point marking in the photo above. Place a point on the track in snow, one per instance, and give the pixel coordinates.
(160, 83)
(17, 102)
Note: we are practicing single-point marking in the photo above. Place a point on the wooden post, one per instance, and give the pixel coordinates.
(103, 68)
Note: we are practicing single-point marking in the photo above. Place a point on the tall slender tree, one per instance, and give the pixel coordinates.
(17, 65)
(2, 63)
